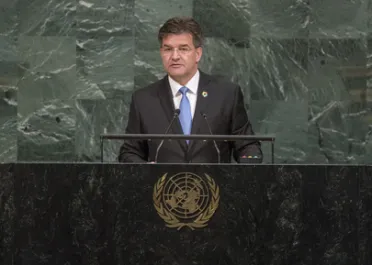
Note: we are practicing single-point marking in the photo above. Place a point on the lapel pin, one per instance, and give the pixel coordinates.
(204, 94)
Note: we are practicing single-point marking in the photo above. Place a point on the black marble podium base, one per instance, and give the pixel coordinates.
(90, 214)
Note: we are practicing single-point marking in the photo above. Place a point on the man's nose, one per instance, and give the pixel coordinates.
(175, 54)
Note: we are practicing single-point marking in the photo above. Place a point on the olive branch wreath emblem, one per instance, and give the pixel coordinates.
(172, 221)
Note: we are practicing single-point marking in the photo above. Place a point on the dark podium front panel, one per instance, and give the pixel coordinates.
(112, 214)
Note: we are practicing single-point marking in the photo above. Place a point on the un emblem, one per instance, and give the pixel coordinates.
(186, 199)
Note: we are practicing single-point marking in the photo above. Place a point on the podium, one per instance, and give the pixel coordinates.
(198, 137)
(123, 214)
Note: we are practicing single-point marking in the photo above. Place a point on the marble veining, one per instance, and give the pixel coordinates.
(303, 66)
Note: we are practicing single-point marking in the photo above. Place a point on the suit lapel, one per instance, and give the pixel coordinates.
(202, 102)
(166, 101)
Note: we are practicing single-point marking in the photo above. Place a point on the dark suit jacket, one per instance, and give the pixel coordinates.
(151, 112)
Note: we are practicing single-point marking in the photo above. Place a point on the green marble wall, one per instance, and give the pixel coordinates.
(68, 68)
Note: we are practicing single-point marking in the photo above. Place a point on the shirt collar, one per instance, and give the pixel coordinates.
(192, 85)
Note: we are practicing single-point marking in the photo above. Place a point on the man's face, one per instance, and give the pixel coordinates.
(180, 57)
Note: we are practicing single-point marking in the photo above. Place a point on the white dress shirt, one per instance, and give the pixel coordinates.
(192, 93)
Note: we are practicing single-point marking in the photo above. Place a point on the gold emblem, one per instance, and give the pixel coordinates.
(186, 199)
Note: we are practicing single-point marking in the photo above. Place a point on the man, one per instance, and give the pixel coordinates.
(195, 94)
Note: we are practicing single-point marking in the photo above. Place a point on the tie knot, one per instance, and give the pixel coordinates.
(183, 90)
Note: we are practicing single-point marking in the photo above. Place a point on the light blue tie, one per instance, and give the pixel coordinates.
(185, 114)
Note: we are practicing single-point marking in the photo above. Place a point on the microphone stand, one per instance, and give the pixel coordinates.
(175, 115)
(214, 142)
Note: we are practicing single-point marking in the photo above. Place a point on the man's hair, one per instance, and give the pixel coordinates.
(179, 25)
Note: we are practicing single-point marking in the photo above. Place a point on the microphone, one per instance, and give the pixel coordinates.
(175, 115)
(214, 142)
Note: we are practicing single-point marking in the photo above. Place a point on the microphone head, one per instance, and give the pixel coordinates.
(203, 114)
(177, 112)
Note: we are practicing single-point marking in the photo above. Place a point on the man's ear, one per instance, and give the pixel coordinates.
(199, 53)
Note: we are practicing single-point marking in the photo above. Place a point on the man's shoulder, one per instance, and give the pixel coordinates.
(150, 89)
